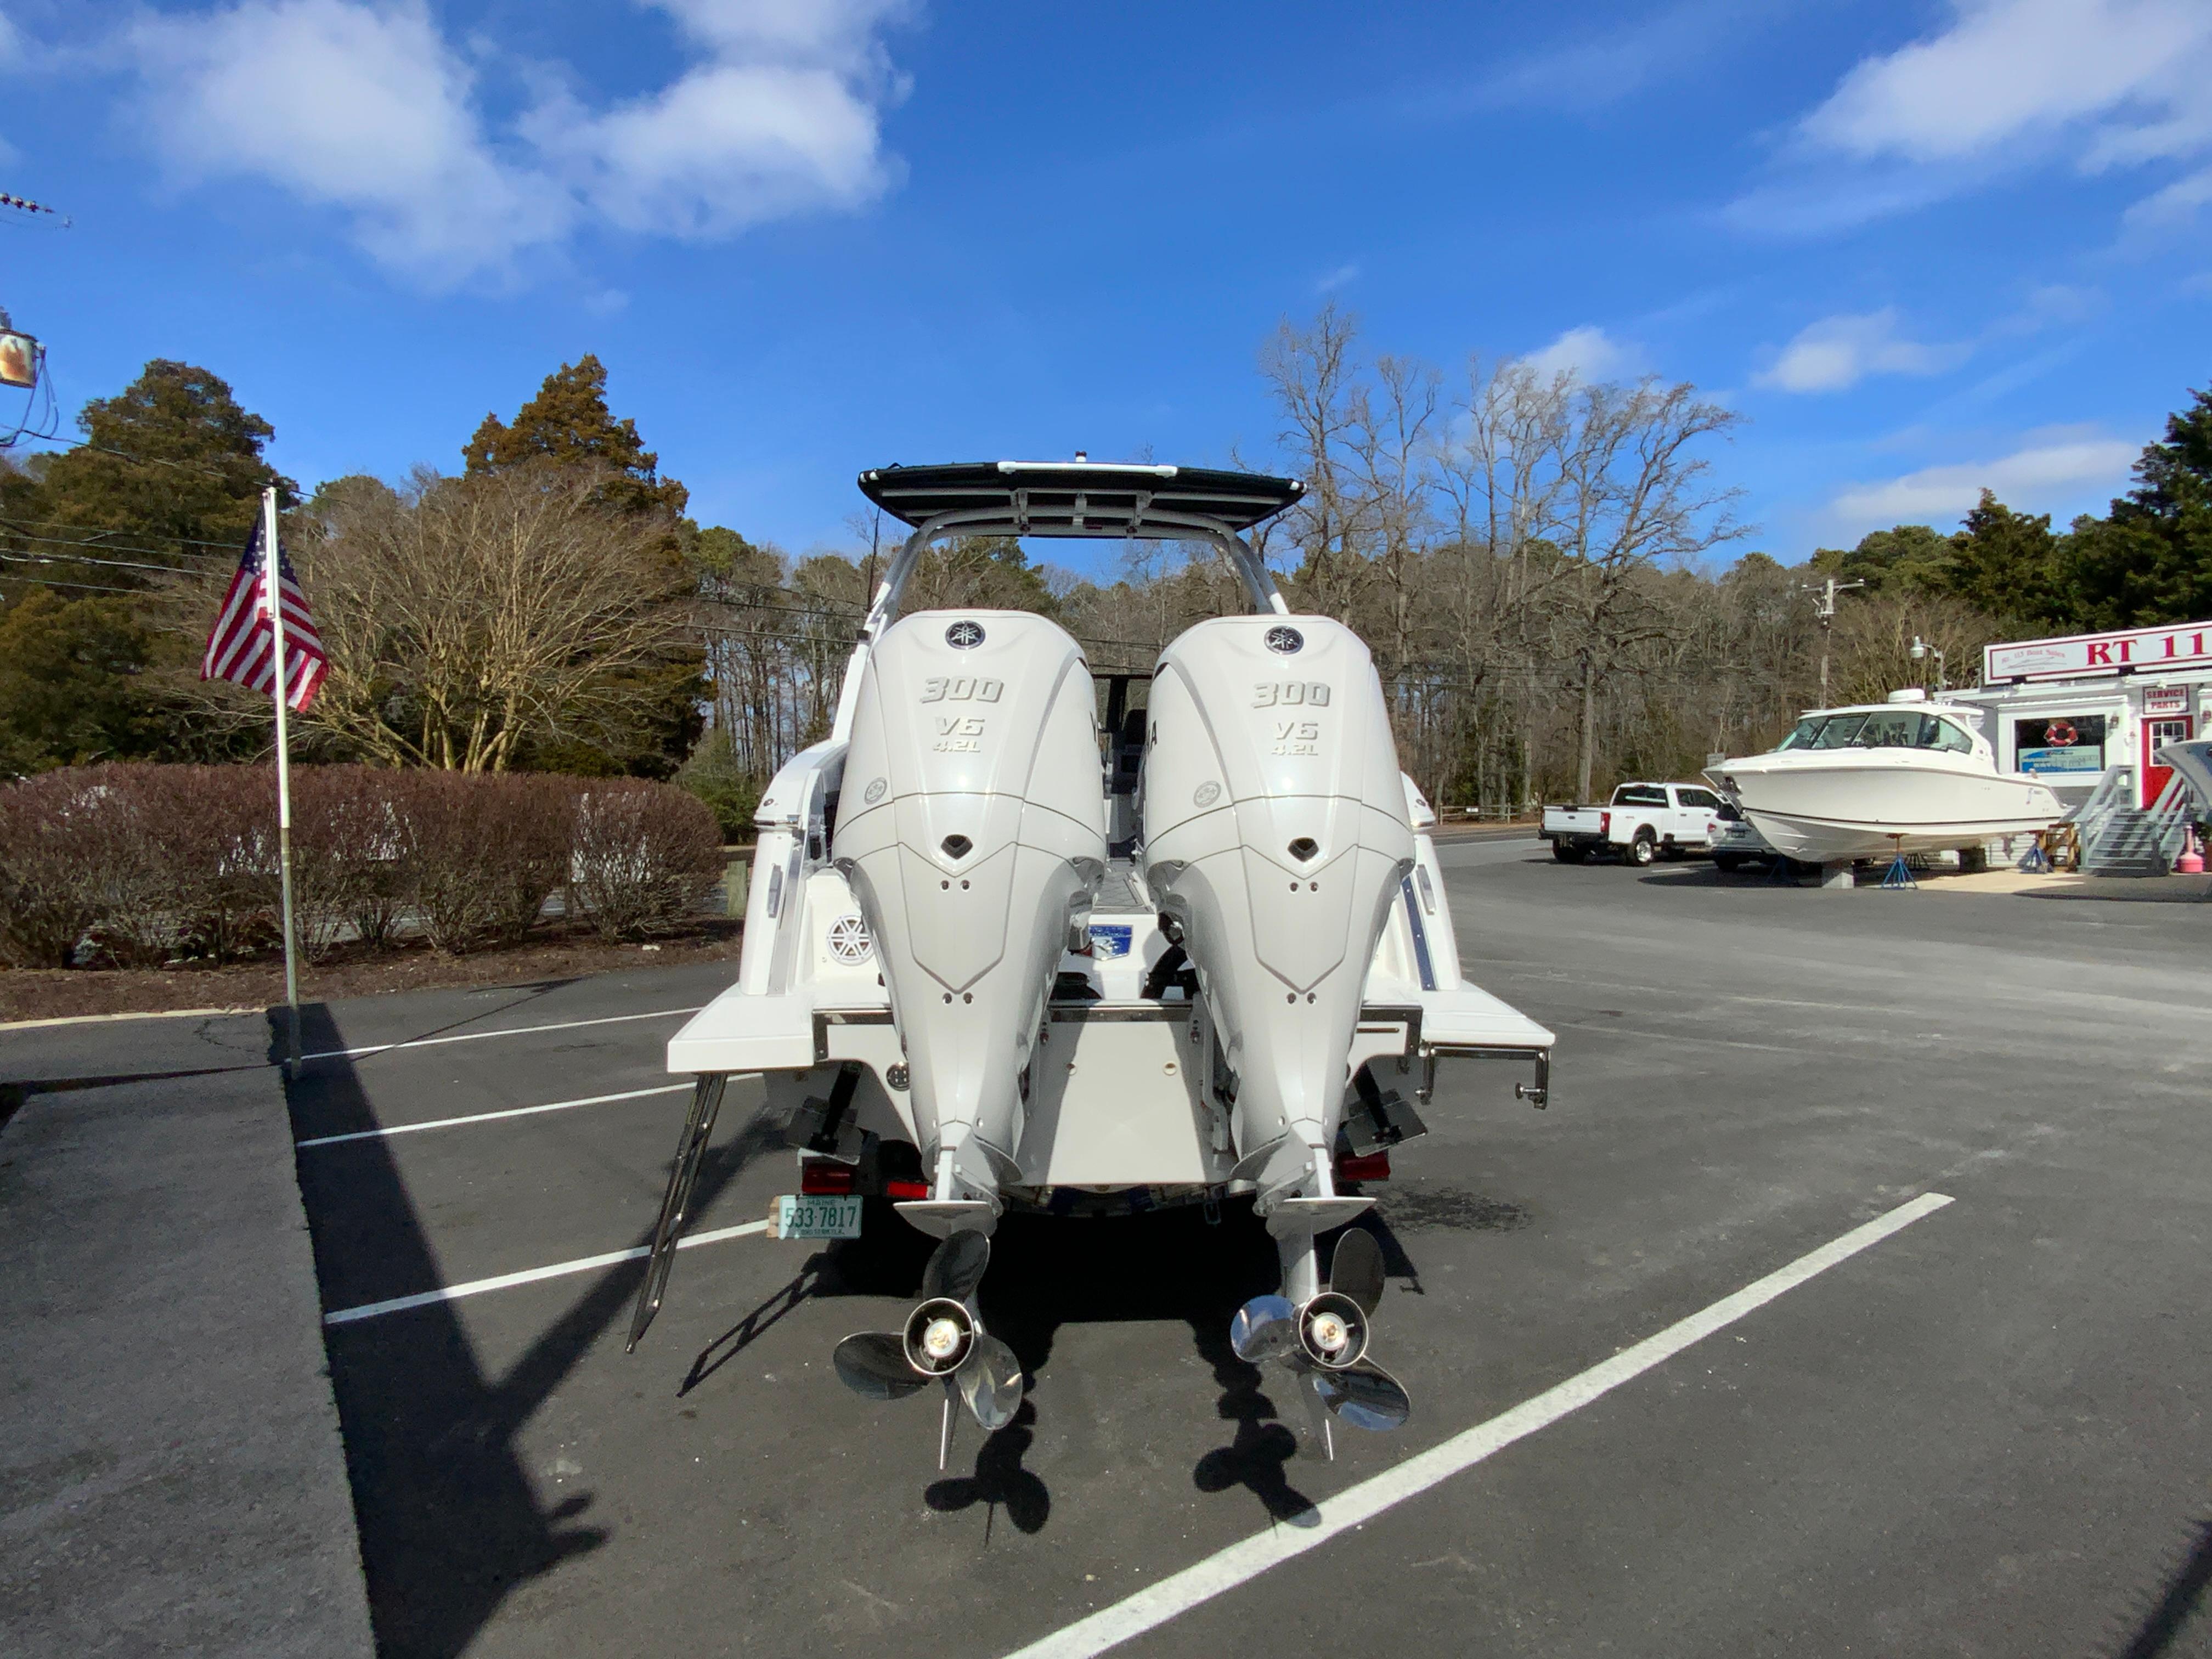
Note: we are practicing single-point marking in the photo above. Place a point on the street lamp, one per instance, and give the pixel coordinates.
(1921, 649)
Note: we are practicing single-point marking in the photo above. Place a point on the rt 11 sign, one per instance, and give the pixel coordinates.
(2180, 645)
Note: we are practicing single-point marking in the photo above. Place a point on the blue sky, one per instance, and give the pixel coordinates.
(1921, 246)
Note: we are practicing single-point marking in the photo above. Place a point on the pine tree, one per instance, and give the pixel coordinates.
(568, 423)
(171, 463)
(2150, 561)
(2007, 564)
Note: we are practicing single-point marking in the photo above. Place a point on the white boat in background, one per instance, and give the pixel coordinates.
(1871, 779)
(2193, 761)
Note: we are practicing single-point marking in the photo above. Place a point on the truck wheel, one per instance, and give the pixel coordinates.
(1641, 851)
(1730, 862)
(1566, 854)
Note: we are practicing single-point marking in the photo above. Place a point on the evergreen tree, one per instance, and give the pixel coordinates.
(1910, 558)
(2007, 564)
(568, 423)
(69, 687)
(171, 463)
(2150, 561)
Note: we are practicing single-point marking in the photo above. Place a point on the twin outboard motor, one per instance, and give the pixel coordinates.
(971, 827)
(1276, 837)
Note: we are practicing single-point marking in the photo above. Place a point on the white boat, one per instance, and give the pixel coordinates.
(1867, 779)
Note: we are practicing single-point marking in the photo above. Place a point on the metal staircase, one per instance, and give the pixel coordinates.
(2118, 838)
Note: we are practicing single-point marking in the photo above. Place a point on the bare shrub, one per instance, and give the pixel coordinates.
(644, 856)
(481, 851)
(346, 845)
(207, 851)
(60, 857)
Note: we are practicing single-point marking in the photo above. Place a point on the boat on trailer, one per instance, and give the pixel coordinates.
(995, 961)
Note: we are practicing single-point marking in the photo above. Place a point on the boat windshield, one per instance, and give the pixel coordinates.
(1884, 729)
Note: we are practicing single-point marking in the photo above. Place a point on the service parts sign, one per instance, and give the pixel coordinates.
(2181, 646)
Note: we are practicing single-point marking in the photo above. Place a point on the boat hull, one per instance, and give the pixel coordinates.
(1822, 808)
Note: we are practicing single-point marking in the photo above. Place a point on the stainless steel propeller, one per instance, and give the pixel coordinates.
(1324, 1342)
(942, 1340)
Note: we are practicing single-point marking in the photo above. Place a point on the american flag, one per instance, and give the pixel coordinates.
(243, 647)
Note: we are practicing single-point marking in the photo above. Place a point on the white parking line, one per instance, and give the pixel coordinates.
(531, 1276)
(487, 1117)
(479, 1037)
(1224, 1570)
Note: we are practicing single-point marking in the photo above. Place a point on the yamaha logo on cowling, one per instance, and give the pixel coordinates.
(1284, 640)
(964, 635)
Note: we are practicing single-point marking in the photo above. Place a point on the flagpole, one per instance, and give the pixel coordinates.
(272, 566)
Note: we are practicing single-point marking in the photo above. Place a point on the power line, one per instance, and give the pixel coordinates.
(88, 588)
(234, 546)
(111, 564)
(149, 460)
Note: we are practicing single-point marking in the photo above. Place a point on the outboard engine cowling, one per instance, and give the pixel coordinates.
(1275, 836)
(972, 829)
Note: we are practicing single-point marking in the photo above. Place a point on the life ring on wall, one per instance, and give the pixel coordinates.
(2060, 734)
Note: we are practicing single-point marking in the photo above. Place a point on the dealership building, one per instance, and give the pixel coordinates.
(2069, 710)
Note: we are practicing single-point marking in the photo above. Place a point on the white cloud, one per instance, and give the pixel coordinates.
(2009, 69)
(1337, 279)
(1588, 354)
(366, 106)
(1841, 351)
(2012, 82)
(2177, 204)
(2053, 469)
(362, 107)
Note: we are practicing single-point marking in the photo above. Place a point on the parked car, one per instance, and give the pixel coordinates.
(1641, 821)
(1736, 843)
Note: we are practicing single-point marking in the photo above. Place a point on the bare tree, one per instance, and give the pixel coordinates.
(1313, 375)
(465, 616)
(1635, 494)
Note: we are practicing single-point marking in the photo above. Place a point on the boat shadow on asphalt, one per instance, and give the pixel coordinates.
(449, 1519)
(1164, 1265)
(2177, 1603)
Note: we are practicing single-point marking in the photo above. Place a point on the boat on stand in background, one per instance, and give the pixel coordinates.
(1872, 779)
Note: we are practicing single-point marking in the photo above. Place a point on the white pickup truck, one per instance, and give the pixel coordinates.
(1641, 821)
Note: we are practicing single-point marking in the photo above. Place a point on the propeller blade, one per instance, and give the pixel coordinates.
(956, 1267)
(1356, 1269)
(990, 1381)
(1265, 1327)
(873, 1363)
(1364, 1395)
(1309, 1391)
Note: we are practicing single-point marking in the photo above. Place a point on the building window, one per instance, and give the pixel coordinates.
(2060, 743)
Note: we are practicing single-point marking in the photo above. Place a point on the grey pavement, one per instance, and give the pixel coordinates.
(171, 1478)
(1984, 1435)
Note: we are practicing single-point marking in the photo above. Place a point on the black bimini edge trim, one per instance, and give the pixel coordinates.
(1076, 498)
(1064, 498)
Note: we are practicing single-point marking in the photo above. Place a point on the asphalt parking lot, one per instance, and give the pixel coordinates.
(1981, 1433)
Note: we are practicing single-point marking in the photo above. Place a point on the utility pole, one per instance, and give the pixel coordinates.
(1823, 607)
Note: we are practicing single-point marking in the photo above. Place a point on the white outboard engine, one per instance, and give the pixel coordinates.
(971, 826)
(1276, 835)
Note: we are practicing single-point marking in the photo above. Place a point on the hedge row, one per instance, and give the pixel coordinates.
(134, 865)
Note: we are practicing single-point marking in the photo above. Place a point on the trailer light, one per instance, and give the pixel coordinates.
(906, 1190)
(1364, 1166)
(820, 1177)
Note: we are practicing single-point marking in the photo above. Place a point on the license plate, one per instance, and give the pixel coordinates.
(816, 1218)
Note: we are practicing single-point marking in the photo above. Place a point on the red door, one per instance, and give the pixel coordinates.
(2157, 733)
